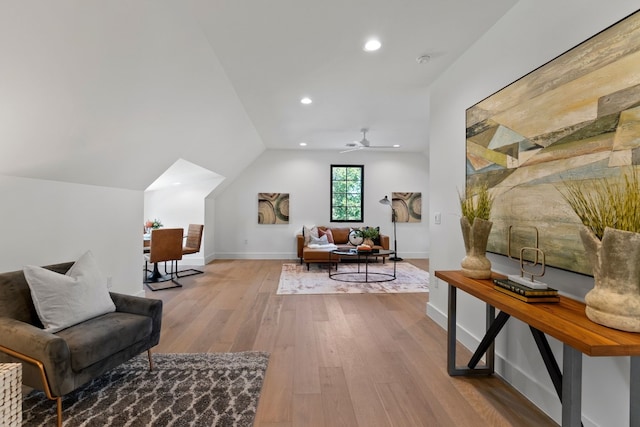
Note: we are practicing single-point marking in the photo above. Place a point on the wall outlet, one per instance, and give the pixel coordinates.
(109, 282)
(438, 218)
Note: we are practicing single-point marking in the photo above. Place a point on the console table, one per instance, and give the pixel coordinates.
(565, 321)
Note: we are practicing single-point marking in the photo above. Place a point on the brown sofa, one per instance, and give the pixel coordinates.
(341, 240)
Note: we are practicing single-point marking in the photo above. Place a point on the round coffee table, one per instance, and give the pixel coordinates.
(359, 257)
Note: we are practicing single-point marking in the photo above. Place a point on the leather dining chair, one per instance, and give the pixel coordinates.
(166, 246)
(192, 246)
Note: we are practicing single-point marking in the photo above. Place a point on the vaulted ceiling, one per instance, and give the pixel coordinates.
(113, 93)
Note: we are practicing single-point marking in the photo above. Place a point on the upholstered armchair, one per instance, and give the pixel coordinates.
(60, 362)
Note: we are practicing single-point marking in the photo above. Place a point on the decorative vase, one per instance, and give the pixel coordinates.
(615, 299)
(476, 265)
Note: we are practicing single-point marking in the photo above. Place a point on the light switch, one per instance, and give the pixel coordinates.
(438, 218)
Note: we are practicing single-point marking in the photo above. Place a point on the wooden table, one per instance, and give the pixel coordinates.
(565, 321)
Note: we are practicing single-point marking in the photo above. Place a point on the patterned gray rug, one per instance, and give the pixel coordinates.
(191, 389)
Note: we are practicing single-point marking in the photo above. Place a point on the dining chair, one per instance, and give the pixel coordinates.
(192, 246)
(166, 246)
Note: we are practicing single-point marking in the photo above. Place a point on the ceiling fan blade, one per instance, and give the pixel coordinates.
(352, 149)
(381, 146)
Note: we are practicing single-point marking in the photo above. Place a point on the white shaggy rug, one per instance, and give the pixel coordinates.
(295, 279)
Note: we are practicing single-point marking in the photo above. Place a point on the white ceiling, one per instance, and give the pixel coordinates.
(275, 52)
(114, 93)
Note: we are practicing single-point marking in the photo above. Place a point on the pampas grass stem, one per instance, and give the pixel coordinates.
(476, 206)
(607, 202)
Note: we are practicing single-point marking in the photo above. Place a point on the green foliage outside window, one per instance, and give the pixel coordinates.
(347, 184)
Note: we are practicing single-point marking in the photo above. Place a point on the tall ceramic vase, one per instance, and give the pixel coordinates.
(615, 299)
(476, 264)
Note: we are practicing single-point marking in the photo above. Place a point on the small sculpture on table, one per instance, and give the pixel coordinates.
(538, 259)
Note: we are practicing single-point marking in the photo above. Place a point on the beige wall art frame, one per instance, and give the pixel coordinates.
(273, 208)
(576, 117)
(408, 206)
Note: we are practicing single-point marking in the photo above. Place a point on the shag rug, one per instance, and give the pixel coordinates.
(192, 389)
(295, 279)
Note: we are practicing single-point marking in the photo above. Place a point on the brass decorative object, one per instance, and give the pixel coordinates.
(539, 259)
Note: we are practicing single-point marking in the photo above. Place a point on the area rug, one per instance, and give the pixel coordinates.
(191, 389)
(295, 279)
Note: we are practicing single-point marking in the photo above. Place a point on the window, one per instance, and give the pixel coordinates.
(347, 183)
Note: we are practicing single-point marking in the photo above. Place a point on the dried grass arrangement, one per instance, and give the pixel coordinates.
(607, 202)
(476, 206)
(476, 227)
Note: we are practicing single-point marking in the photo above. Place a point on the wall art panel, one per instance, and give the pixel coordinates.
(273, 208)
(408, 206)
(575, 118)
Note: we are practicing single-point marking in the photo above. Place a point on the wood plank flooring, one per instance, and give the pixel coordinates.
(356, 360)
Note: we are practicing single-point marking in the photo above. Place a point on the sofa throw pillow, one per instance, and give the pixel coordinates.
(376, 240)
(319, 240)
(64, 300)
(308, 233)
(327, 233)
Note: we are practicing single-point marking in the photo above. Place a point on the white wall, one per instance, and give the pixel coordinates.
(48, 222)
(305, 176)
(529, 35)
(181, 205)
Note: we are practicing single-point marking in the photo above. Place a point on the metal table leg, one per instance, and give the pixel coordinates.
(451, 340)
(634, 392)
(571, 387)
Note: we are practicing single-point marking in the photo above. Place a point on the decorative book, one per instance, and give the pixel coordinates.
(522, 289)
(528, 299)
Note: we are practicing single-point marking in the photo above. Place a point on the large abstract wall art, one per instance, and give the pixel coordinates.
(273, 208)
(575, 118)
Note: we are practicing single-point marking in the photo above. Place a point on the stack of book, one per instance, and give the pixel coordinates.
(525, 293)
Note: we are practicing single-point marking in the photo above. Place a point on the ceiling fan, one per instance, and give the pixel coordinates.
(364, 143)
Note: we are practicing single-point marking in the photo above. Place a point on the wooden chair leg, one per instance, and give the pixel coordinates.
(59, 410)
(150, 360)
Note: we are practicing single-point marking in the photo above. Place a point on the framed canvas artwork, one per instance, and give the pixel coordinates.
(273, 208)
(407, 206)
(576, 117)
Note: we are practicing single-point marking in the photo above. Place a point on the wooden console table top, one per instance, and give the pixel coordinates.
(564, 320)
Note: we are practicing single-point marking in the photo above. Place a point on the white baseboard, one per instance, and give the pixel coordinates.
(256, 255)
(289, 255)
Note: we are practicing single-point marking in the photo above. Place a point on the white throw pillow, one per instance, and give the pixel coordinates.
(308, 233)
(319, 240)
(64, 300)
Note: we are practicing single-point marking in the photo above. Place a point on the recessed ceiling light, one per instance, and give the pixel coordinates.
(372, 45)
(303, 144)
(176, 183)
(396, 145)
(306, 100)
(423, 59)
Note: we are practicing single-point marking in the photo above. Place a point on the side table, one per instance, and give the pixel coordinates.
(11, 394)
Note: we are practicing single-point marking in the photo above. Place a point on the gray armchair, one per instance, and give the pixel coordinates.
(58, 363)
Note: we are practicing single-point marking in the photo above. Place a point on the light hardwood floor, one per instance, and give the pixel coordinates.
(352, 360)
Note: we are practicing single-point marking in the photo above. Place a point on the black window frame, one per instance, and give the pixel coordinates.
(332, 198)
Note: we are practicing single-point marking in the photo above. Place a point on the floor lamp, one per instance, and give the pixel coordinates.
(394, 219)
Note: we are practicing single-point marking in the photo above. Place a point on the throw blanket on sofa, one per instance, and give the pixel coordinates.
(328, 247)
